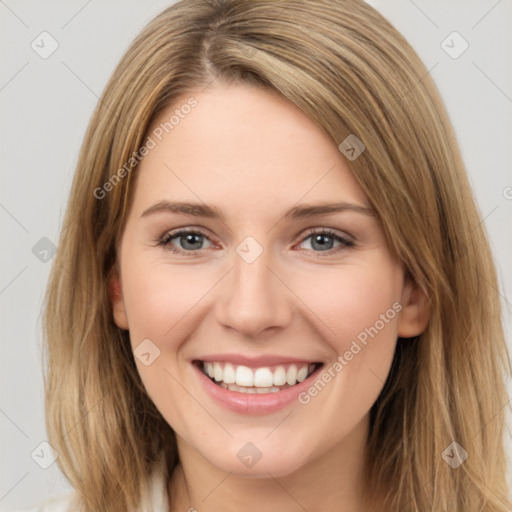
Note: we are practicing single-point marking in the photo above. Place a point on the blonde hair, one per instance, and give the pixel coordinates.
(348, 68)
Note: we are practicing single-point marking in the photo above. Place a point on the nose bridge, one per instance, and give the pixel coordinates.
(253, 298)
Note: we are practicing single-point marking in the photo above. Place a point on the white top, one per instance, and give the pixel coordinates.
(157, 501)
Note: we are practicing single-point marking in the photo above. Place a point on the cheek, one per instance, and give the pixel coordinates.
(361, 305)
(158, 298)
(160, 302)
(352, 302)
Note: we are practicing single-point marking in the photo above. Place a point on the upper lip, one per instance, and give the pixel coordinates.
(255, 361)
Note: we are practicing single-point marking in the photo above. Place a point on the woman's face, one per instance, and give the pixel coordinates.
(264, 287)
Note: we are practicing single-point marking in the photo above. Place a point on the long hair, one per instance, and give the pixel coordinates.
(347, 68)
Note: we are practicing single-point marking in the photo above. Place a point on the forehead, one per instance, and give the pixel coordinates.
(243, 145)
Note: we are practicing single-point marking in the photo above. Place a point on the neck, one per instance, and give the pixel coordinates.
(333, 480)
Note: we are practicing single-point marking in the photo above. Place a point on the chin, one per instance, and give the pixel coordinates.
(253, 460)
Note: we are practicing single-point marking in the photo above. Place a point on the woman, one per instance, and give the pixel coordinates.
(273, 288)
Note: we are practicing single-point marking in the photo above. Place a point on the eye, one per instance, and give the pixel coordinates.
(322, 240)
(189, 241)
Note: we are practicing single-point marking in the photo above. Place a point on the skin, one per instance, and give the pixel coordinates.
(254, 155)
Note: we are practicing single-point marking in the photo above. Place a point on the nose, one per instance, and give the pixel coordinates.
(254, 298)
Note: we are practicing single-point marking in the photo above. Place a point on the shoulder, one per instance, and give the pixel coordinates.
(62, 502)
(67, 501)
(155, 501)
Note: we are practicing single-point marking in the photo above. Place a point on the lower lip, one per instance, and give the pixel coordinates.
(246, 403)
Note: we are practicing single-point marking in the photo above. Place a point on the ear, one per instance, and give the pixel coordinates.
(115, 295)
(415, 312)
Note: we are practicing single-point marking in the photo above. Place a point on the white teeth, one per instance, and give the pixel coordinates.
(229, 374)
(302, 374)
(279, 376)
(263, 378)
(244, 376)
(252, 391)
(217, 372)
(260, 380)
(291, 375)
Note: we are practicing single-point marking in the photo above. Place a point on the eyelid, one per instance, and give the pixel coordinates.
(346, 240)
(186, 229)
(168, 235)
(330, 231)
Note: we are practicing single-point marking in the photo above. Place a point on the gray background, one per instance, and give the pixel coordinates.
(45, 108)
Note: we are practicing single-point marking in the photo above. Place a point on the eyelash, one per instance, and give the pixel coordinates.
(165, 241)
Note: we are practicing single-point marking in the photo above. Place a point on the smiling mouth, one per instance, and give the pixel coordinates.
(262, 380)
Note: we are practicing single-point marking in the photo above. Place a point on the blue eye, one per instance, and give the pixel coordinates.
(191, 241)
(323, 239)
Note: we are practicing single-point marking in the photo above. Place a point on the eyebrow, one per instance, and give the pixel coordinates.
(297, 212)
